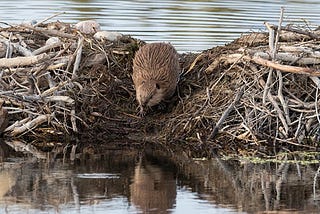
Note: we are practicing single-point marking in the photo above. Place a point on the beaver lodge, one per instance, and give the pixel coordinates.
(255, 96)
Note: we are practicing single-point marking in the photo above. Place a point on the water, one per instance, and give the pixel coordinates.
(189, 25)
(101, 180)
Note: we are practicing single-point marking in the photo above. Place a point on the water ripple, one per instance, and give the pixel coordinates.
(190, 25)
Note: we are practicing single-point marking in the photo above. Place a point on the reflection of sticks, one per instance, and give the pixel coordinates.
(226, 113)
(20, 146)
(315, 183)
(75, 194)
(266, 190)
(283, 169)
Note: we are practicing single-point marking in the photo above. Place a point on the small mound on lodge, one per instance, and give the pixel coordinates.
(254, 96)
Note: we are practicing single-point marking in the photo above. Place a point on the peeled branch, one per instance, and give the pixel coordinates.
(4, 119)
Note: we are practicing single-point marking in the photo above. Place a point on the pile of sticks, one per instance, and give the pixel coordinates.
(44, 71)
(261, 90)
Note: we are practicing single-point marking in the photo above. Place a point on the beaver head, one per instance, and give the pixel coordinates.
(149, 93)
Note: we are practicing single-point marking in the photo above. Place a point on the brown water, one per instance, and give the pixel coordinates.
(151, 181)
(190, 25)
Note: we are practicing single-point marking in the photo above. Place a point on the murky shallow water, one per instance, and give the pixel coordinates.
(151, 181)
(189, 25)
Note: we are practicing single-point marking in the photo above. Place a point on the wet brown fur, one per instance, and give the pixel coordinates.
(155, 73)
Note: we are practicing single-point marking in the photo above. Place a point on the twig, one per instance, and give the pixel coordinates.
(78, 57)
(199, 57)
(280, 113)
(9, 47)
(16, 124)
(22, 50)
(226, 113)
(281, 98)
(269, 79)
(274, 53)
(296, 134)
(46, 48)
(280, 78)
(73, 120)
(50, 32)
(316, 98)
(65, 99)
(303, 32)
(50, 17)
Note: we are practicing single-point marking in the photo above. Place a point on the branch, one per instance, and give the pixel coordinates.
(22, 61)
(226, 113)
(285, 68)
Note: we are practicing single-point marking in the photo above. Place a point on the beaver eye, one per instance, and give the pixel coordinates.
(157, 86)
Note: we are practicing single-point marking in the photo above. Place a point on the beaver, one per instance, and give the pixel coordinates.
(155, 74)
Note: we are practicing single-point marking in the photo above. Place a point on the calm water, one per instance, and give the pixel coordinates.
(189, 25)
(151, 181)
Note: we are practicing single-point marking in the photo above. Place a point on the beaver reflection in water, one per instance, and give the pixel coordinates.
(155, 74)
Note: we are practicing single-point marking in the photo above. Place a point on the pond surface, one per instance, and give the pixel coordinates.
(190, 25)
(151, 181)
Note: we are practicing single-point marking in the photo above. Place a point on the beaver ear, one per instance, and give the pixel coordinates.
(157, 86)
